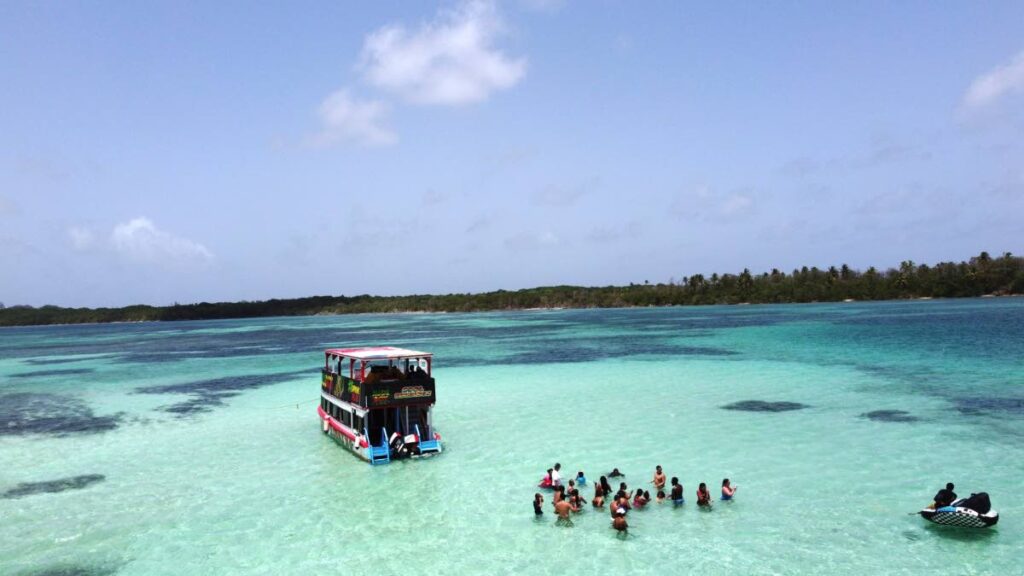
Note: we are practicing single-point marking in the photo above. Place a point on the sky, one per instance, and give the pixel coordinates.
(161, 152)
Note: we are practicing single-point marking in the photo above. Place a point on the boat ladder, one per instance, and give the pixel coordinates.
(379, 454)
(427, 445)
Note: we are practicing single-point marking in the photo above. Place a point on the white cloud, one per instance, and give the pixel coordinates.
(346, 119)
(432, 197)
(81, 238)
(141, 241)
(532, 241)
(704, 204)
(736, 204)
(449, 61)
(559, 196)
(991, 86)
(608, 234)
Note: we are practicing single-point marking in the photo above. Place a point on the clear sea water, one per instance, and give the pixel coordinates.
(194, 447)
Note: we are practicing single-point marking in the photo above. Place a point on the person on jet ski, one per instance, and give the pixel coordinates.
(944, 497)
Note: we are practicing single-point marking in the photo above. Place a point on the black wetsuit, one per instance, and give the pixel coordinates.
(944, 497)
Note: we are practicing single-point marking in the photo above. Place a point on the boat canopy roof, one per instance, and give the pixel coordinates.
(377, 353)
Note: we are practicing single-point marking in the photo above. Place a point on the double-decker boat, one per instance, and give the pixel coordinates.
(377, 401)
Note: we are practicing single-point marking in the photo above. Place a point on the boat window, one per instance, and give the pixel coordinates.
(346, 418)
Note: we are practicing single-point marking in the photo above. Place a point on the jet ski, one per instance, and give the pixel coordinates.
(973, 512)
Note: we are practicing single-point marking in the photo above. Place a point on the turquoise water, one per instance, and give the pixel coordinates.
(194, 448)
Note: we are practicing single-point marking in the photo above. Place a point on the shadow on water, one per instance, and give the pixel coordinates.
(53, 486)
(961, 534)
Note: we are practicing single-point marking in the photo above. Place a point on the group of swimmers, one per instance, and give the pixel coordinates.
(567, 498)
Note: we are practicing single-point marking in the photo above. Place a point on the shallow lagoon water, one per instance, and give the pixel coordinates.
(194, 447)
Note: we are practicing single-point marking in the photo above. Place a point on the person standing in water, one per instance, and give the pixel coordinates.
(659, 478)
(545, 482)
(559, 495)
(562, 509)
(640, 499)
(703, 496)
(538, 501)
(728, 489)
(677, 492)
(599, 495)
(619, 522)
(556, 475)
(581, 480)
(606, 487)
(575, 500)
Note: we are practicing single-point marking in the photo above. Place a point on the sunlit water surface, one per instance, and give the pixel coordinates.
(194, 447)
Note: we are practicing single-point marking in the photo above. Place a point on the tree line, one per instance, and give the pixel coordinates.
(979, 276)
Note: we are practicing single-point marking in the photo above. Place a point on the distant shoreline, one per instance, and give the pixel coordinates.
(981, 276)
(550, 309)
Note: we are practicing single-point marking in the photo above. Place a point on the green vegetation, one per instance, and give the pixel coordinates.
(981, 275)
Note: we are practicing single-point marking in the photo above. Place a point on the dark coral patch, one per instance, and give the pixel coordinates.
(205, 395)
(54, 372)
(890, 416)
(763, 406)
(53, 486)
(72, 570)
(979, 405)
(31, 413)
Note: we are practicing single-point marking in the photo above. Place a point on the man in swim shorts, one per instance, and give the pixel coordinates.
(562, 509)
(659, 478)
(677, 492)
(619, 522)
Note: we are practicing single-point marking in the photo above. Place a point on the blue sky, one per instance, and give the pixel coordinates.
(161, 152)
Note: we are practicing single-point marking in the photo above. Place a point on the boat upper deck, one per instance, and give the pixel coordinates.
(378, 376)
(377, 353)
